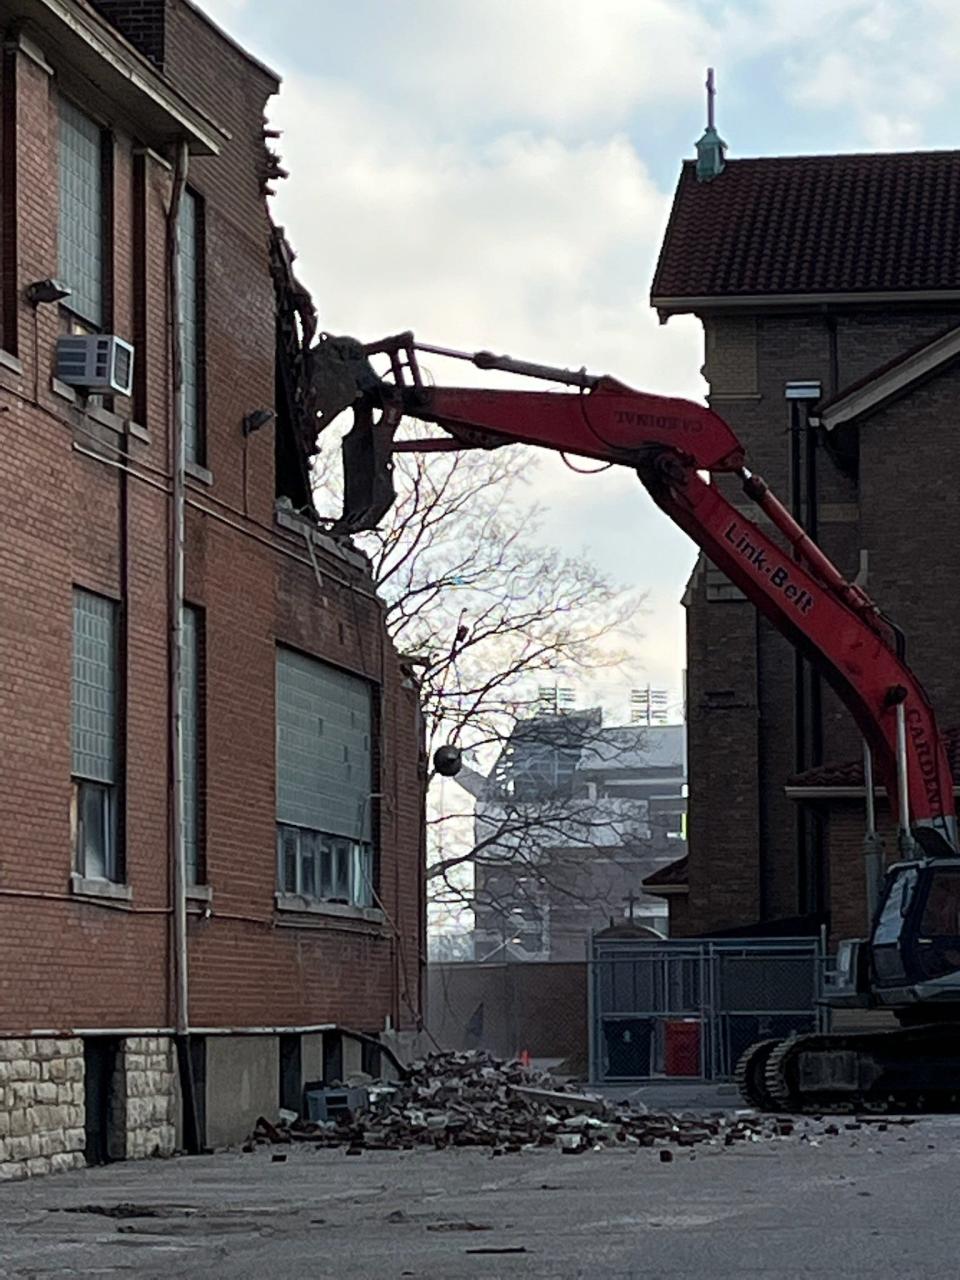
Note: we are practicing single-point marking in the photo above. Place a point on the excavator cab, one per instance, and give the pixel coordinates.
(915, 943)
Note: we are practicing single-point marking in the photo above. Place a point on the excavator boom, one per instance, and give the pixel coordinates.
(677, 448)
(690, 462)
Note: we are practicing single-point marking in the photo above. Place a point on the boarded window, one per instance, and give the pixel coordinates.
(324, 781)
(191, 397)
(191, 721)
(95, 736)
(81, 229)
(731, 356)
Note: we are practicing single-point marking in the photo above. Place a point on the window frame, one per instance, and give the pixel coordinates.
(9, 202)
(321, 851)
(101, 323)
(82, 784)
(195, 432)
(321, 866)
(196, 867)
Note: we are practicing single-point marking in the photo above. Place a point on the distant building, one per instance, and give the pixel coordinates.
(570, 821)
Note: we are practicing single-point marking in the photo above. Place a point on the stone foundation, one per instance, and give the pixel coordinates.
(41, 1107)
(148, 1081)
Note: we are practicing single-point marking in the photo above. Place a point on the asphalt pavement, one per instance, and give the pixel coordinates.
(865, 1203)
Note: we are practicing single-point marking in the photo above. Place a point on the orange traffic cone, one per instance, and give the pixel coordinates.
(524, 1057)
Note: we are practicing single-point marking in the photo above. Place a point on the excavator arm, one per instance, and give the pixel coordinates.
(680, 450)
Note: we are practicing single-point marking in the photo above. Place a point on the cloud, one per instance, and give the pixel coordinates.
(522, 242)
(884, 68)
(221, 10)
(546, 62)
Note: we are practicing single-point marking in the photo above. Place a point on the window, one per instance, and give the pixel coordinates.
(81, 236)
(325, 781)
(95, 738)
(9, 220)
(191, 324)
(191, 729)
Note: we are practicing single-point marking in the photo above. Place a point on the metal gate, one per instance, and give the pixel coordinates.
(690, 1008)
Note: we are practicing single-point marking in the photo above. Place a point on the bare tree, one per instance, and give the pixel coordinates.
(486, 612)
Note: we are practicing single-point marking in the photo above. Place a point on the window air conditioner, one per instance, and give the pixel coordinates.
(99, 362)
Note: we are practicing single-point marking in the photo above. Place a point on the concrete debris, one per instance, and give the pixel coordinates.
(471, 1099)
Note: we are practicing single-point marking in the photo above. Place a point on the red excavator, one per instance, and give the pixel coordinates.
(691, 464)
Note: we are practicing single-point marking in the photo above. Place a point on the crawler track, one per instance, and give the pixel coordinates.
(913, 1069)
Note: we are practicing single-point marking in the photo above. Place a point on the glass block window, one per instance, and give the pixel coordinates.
(191, 401)
(95, 730)
(94, 687)
(191, 730)
(81, 229)
(324, 782)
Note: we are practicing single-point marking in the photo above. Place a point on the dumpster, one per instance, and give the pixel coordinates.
(627, 1042)
(681, 1047)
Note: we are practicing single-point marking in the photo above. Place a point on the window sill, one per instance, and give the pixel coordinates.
(87, 887)
(731, 397)
(106, 418)
(196, 472)
(293, 903)
(7, 361)
(135, 430)
(199, 893)
(64, 391)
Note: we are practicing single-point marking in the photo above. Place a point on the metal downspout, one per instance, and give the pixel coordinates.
(181, 978)
(905, 841)
(872, 844)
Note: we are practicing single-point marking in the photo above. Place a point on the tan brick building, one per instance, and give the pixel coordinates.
(830, 299)
(305, 882)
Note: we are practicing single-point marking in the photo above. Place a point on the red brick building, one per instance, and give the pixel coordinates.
(302, 773)
(830, 300)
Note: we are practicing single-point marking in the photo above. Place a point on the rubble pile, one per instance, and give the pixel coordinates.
(472, 1099)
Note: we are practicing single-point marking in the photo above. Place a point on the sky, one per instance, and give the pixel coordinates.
(498, 175)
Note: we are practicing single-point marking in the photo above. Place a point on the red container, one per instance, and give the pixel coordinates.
(681, 1047)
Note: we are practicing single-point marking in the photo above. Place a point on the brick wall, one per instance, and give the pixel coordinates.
(72, 962)
(142, 22)
(845, 825)
(910, 472)
(748, 752)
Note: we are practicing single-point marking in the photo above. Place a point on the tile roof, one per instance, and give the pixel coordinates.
(850, 774)
(779, 225)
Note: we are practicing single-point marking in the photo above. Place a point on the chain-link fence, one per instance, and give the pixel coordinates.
(636, 1010)
(690, 1009)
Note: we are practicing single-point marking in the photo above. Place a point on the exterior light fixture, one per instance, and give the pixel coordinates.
(49, 290)
(447, 761)
(256, 419)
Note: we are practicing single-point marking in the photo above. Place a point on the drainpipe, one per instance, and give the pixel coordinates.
(178, 859)
(905, 840)
(872, 844)
(808, 730)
